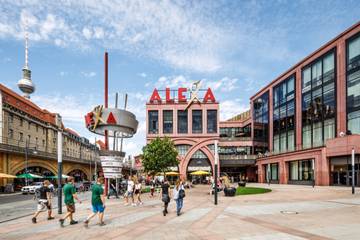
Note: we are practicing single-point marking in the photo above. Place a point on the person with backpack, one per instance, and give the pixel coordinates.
(97, 202)
(165, 195)
(69, 195)
(179, 194)
(43, 195)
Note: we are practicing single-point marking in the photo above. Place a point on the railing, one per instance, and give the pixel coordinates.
(235, 138)
(19, 147)
(237, 157)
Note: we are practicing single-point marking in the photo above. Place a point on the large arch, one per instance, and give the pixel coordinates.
(202, 145)
(33, 163)
(69, 168)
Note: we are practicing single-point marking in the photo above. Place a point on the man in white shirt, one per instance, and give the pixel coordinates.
(130, 192)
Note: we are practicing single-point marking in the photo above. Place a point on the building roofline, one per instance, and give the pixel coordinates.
(354, 26)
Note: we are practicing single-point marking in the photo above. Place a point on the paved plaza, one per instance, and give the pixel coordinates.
(288, 212)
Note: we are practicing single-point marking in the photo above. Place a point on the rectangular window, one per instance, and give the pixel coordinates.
(211, 121)
(29, 125)
(353, 85)
(301, 170)
(274, 171)
(37, 128)
(153, 122)
(197, 121)
(261, 118)
(318, 101)
(11, 118)
(21, 137)
(21, 122)
(168, 121)
(11, 134)
(284, 116)
(182, 121)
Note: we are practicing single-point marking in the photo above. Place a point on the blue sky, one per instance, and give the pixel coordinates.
(235, 47)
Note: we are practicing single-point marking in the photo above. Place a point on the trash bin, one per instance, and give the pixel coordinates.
(242, 184)
(230, 192)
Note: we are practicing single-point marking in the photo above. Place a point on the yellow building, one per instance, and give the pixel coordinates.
(26, 128)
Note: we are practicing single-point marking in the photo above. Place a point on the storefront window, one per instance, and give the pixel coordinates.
(197, 121)
(182, 121)
(272, 172)
(318, 101)
(284, 116)
(301, 170)
(153, 122)
(353, 85)
(211, 121)
(167, 121)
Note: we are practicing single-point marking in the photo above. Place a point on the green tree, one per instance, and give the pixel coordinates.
(159, 155)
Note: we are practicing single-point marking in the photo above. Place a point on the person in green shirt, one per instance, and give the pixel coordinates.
(97, 202)
(69, 195)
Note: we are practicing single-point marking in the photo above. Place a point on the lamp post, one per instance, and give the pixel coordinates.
(353, 171)
(26, 160)
(216, 172)
(59, 158)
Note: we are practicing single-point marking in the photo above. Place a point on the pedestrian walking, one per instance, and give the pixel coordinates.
(69, 196)
(138, 192)
(165, 195)
(152, 188)
(179, 194)
(112, 191)
(97, 202)
(43, 195)
(130, 192)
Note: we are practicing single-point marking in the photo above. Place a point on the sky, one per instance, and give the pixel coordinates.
(234, 47)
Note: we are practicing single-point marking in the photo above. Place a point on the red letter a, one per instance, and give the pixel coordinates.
(209, 96)
(155, 97)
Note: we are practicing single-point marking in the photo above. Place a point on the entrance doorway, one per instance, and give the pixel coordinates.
(341, 171)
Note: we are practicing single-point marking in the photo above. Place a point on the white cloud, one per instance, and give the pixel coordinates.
(88, 74)
(63, 73)
(178, 34)
(225, 84)
(143, 75)
(231, 108)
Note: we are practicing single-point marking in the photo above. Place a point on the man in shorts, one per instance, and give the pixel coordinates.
(97, 202)
(130, 192)
(44, 201)
(69, 195)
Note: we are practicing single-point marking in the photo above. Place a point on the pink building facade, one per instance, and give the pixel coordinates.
(309, 117)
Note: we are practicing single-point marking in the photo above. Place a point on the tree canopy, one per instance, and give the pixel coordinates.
(159, 155)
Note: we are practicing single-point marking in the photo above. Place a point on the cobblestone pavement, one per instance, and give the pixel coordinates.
(288, 212)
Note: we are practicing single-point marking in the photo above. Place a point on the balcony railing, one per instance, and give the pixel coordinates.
(10, 145)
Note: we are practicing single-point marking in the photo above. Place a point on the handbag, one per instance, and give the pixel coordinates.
(181, 193)
(165, 198)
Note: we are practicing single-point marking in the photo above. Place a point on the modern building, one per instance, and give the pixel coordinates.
(28, 140)
(309, 117)
(193, 125)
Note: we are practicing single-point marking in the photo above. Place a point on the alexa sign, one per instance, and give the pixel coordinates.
(181, 96)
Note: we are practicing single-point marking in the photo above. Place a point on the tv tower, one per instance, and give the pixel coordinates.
(25, 84)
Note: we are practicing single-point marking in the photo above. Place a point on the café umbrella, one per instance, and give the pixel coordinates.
(4, 175)
(28, 175)
(172, 174)
(199, 173)
(55, 177)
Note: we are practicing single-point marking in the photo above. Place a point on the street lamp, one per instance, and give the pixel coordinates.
(216, 172)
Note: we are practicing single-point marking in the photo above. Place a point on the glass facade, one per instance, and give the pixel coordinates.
(284, 116)
(197, 121)
(261, 118)
(353, 84)
(153, 122)
(211, 121)
(301, 170)
(182, 121)
(246, 150)
(272, 172)
(318, 101)
(235, 132)
(167, 121)
(182, 149)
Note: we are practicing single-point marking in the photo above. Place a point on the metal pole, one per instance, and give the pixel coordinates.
(106, 105)
(59, 153)
(26, 161)
(353, 170)
(216, 173)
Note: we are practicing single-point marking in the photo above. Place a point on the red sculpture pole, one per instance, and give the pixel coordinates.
(106, 105)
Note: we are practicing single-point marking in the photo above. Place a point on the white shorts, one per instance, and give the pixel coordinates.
(43, 205)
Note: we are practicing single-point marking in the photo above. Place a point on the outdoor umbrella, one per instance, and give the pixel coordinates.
(4, 175)
(200, 173)
(55, 177)
(172, 174)
(28, 175)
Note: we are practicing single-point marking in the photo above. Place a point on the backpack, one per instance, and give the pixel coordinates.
(181, 193)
